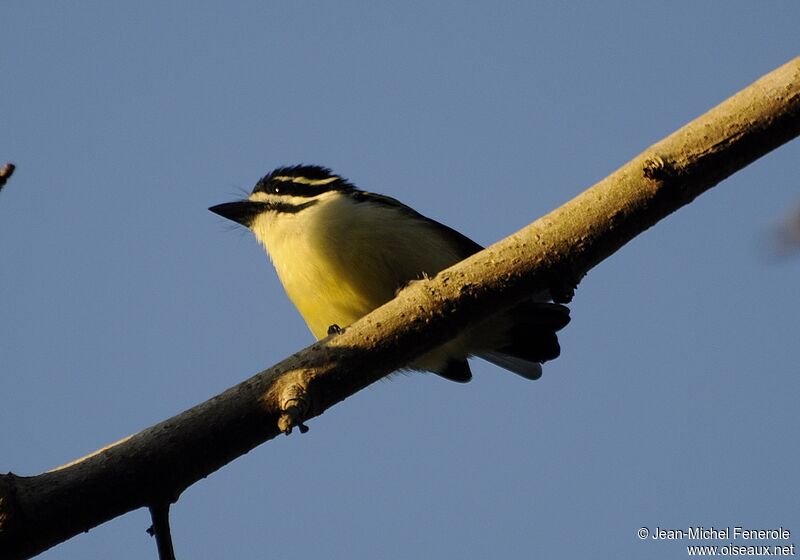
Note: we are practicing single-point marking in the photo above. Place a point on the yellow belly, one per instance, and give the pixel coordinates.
(325, 296)
(337, 265)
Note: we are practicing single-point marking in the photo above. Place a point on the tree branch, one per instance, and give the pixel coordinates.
(5, 174)
(161, 531)
(156, 465)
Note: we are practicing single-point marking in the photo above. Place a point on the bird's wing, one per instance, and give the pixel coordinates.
(464, 246)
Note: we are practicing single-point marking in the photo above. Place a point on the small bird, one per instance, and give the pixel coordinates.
(341, 252)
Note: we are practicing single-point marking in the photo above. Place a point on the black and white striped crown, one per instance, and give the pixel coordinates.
(302, 180)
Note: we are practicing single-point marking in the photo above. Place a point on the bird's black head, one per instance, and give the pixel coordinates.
(303, 181)
(286, 190)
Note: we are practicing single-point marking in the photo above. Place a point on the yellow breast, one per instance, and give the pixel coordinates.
(338, 261)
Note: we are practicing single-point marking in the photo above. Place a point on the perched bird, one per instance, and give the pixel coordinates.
(341, 252)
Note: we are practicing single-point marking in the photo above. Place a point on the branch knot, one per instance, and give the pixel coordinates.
(294, 404)
(658, 169)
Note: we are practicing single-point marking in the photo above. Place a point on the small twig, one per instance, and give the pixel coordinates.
(5, 173)
(786, 235)
(161, 531)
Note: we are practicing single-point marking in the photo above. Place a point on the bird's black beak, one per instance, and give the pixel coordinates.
(242, 212)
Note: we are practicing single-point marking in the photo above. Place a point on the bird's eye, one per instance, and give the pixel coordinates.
(276, 190)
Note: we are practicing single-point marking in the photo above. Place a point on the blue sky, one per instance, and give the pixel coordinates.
(125, 301)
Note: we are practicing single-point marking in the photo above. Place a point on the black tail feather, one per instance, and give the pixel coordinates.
(456, 370)
(533, 336)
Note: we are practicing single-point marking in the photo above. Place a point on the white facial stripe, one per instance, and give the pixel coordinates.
(306, 180)
(260, 196)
